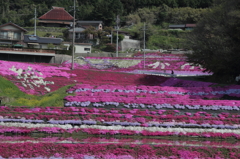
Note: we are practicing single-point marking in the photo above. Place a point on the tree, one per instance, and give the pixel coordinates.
(107, 10)
(215, 40)
(184, 15)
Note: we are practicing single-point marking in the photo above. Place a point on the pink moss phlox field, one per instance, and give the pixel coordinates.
(114, 139)
(42, 78)
(29, 150)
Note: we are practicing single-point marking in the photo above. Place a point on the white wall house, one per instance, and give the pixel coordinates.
(83, 48)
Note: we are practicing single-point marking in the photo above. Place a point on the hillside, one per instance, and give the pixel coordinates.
(116, 108)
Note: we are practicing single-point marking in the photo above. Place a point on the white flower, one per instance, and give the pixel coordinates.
(155, 65)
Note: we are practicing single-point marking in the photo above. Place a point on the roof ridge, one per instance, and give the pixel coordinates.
(54, 7)
(49, 15)
(11, 23)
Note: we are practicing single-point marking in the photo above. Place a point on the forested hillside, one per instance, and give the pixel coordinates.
(22, 11)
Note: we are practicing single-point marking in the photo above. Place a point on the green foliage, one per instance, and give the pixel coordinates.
(21, 12)
(107, 10)
(9, 89)
(215, 41)
(17, 98)
(120, 38)
(110, 47)
(184, 15)
(51, 46)
(54, 99)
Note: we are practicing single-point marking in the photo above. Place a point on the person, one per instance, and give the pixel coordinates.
(172, 72)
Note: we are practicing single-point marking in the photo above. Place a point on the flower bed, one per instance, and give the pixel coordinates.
(105, 104)
(47, 150)
(119, 121)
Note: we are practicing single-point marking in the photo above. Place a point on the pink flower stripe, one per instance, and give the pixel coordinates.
(122, 140)
(150, 117)
(164, 91)
(27, 150)
(92, 131)
(122, 117)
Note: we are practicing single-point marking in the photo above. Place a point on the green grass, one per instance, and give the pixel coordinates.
(12, 96)
(166, 39)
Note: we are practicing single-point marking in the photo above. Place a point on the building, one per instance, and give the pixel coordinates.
(127, 43)
(33, 41)
(190, 26)
(98, 25)
(177, 26)
(81, 26)
(83, 48)
(11, 34)
(80, 36)
(182, 26)
(56, 17)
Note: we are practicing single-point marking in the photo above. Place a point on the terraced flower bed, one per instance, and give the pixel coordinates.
(111, 114)
(48, 150)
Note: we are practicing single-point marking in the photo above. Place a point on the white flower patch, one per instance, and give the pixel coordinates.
(200, 66)
(29, 125)
(48, 89)
(29, 75)
(168, 64)
(118, 63)
(125, 63)
(155, 65)
(183, 66)
(24, 85)
(162, 66)
(161, 129)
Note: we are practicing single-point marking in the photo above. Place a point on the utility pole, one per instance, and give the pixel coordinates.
(117, 21)
(35, 19)
(73, 34)
(111, 36)
(144, 46)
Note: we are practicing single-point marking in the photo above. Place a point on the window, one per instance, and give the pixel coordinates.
(3, 34)
(86, 49)
(17, 36)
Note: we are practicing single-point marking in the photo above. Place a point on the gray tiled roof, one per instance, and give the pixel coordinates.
(41, 40)
(177, 26)
(77, 29)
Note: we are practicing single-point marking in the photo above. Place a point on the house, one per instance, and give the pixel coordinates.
(190, 26)
(80, 36)
(182, 26)
(80, 48)
(36, 42)
(81, 26)
(56, 17)
(177, 26)
(98, 25)
(83, 48)
(11, 34)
